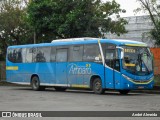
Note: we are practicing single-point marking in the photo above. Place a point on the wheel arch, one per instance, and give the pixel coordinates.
(33, 75)
(93, 77)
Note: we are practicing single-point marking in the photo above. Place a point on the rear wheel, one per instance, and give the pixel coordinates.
(35, 83)
(60, 88)
(124, 92)
(97, 86)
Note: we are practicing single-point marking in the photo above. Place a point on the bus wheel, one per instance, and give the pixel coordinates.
(35, 83)
(124, 92)
(97, 86)
(60, 88)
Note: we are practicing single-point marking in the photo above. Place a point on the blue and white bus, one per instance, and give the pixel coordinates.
(97, 64)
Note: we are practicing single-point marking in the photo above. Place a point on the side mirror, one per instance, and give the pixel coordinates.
(122, 51)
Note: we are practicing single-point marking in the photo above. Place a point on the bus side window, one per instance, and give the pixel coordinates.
(18, 55)
(15, 55)
(61, 55)
(53, 54)
(10, 55)
(91, 53)
(42, 54)
(23, 55)
(76, 53)
(29, 55)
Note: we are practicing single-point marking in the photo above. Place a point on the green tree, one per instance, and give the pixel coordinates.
(153, 10)
(14, 30)
(53, 19)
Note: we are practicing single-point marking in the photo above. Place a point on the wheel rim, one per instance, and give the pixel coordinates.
(97, 86)
(35, 83)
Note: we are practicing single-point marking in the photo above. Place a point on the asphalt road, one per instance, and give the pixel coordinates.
(13, 98)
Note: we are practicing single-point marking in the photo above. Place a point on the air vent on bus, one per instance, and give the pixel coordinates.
(74, 39)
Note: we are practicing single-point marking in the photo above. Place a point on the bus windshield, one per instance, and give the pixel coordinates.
(137, 60)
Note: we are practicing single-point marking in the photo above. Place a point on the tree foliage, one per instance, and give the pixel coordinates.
(52, 19)
(13, 28)
(152, 8)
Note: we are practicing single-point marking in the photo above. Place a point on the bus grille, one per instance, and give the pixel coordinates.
(141, 81)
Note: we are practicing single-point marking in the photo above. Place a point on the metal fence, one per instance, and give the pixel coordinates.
(2, 70)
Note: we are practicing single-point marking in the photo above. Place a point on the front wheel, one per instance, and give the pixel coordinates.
(124, 92)
(35, 83)
(97, 86)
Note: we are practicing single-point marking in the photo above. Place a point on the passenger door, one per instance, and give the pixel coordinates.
(112, 68)
(109, 69)
(61, 66)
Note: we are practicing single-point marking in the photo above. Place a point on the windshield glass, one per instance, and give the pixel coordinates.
(137, 60)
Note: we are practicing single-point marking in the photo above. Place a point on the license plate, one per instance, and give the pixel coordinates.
(140, 87)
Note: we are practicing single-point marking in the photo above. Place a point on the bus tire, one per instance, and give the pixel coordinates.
(60, 88)
(97, 86)
(35, 83)
(124, 92)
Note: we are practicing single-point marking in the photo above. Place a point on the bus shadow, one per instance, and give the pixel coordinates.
(74, 91)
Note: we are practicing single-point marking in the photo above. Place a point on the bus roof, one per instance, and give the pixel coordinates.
(76, 41)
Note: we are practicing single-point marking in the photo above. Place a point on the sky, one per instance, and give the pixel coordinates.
(129, 6)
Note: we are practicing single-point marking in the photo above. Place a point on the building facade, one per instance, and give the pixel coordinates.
(138, 28)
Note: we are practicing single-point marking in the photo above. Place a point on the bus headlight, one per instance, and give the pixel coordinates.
(126, 77)
(151, 78)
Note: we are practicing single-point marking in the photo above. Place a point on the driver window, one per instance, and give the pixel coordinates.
(111, 59)
(110, 55)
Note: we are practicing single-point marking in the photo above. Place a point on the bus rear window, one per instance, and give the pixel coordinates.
(16, 55)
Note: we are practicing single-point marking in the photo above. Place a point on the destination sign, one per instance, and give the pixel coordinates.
(128, 50)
